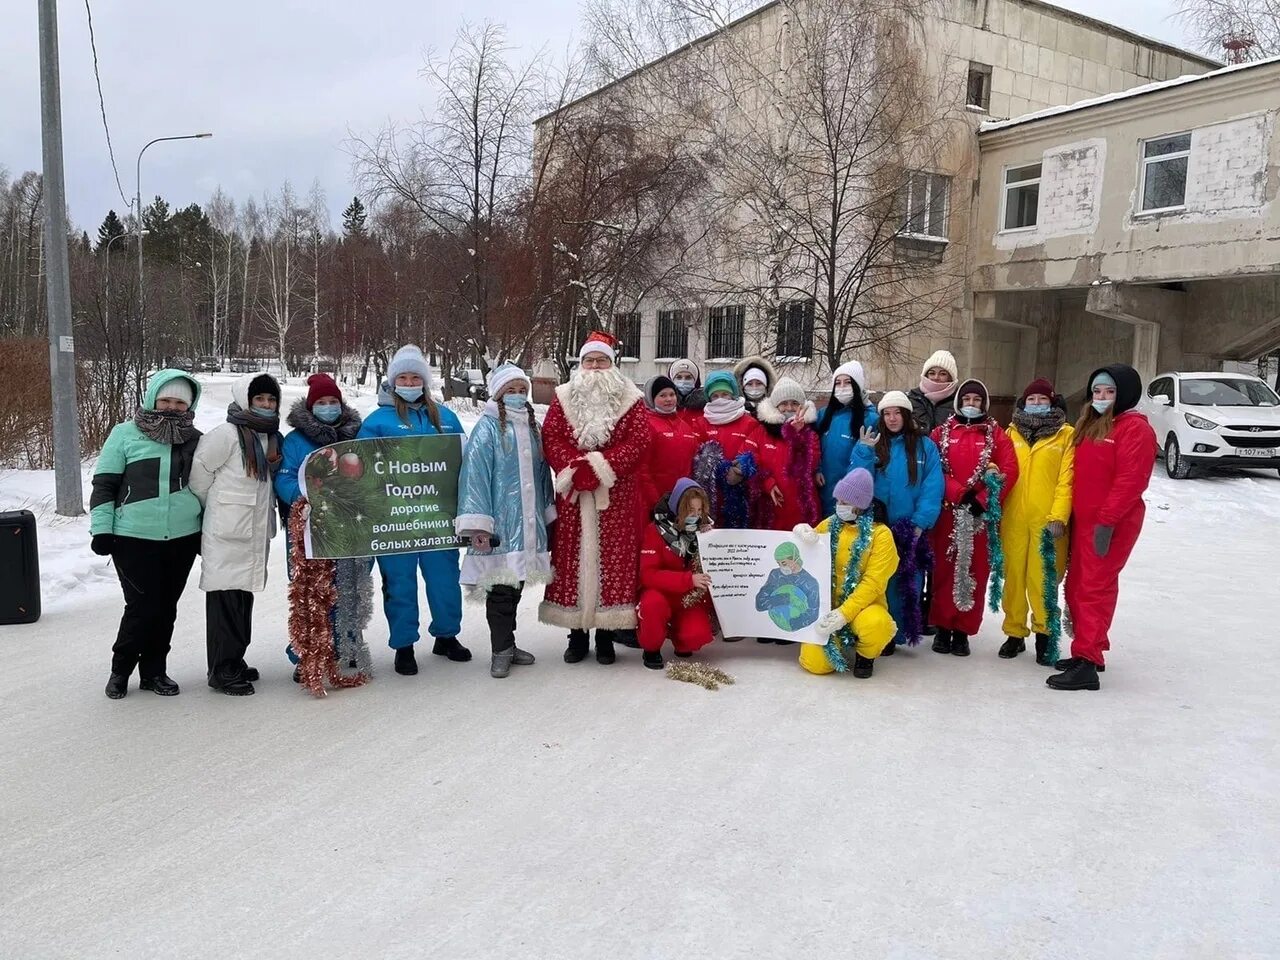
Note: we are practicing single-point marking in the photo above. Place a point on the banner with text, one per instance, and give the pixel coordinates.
(382, 495)
(766, 583)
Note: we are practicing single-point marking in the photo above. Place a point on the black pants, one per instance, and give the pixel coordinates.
(500, 610)
(228, 625)
(153, 574)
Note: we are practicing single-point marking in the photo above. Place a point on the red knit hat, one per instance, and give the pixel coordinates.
(320, 385)
(1038, 385)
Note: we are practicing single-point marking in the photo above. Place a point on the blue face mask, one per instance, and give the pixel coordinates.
(684, 386)
(409, 394)
(1102, 406)
(515, 401)
(327, 414)
(970, 413)
(267, 412)
(1038, 409)
(691, 523)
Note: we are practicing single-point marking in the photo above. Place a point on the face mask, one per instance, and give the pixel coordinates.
(1038, 409)
(971, 413)
(685, 387)
(515, 401)
(327, 414)
(847, 512)
(691, 523)
(266, 412)
(409, 394)
(755, 391)
(843, 394)
(1102, 406)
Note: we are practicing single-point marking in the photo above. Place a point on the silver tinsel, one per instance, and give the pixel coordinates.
(353, 580)
(963, 586)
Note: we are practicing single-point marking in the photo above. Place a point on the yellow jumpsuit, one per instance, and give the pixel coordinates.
(1042, 494)
(865, 609)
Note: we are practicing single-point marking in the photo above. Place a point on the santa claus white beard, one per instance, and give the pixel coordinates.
(597, 398)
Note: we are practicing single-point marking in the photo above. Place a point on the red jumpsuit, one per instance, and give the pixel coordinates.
(960, 461)
(1111, 475)
(675, 442)
(790, 462)
(665, 578)
(732, 504)
(744, 435)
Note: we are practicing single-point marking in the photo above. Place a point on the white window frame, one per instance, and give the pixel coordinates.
(1144, 162)
(931, 179)
(1005, 186)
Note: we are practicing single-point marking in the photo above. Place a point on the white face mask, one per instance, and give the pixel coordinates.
(971, 413)
(754, 390)
(847, 512)
(843, 394)
(684, 385)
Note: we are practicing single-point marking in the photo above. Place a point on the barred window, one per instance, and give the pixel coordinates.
(626, 327)
(673, 334)
(795, 329)
(725, 332)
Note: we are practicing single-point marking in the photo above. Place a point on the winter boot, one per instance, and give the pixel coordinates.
(118, 686)
(159, 684)
(451, 648)
(251, 674)
(1081, 675)
(890, 649)
(239, 687)
(579, 646)
(522, 658)
(653, 659)
(406, 662)
(297, 674)
(1011, 647)
(1042, 650)
(1070, 662)
(684, 654)
(500, 665)
(942, 641)
(862, 667)
(626, 638)
(604, 647)
(959, 644)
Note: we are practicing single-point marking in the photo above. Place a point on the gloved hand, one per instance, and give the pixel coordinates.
(1057, 529)
(829, 623)
(804, 533)
(103, 543)
(1102, 540)
(970, 500)
(584, 478)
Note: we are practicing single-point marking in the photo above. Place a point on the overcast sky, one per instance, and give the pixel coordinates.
(278, 82)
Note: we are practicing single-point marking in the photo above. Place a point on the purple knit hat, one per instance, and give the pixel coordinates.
(856, 488)
(683, 486)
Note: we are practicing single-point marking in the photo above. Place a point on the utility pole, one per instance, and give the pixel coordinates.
(62, 356)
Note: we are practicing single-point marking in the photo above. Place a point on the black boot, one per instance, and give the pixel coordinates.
(626, 638)
(251, 674)
(764, 639)
(862, 667)
(159, 684)
(118, 686)
(1081, 675)
(297, 674)
(1069, 662)
(1011, 647)
(652, 659)
(890, 649)
(1042, 650)
(239, 687)
(579, 646)
(451, 648)
(406, 662)
(684, 654)
(959, 644)
(942, 641)
(604, 647)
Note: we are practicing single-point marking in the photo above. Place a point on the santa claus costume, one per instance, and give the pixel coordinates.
(595, 438)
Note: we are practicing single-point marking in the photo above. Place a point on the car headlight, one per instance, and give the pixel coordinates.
(1200, 423)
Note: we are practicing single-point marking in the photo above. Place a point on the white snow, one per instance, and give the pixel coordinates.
(945, 808)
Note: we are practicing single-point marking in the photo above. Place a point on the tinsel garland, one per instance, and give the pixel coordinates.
(735, 504)
(995, 545)
(313, 594)
(705, 465)
(984, 458)
(964, 531)
(1052, 610)
(802, 467)
(352, 613)
(837, 642)
(915, 555)
(705, 676)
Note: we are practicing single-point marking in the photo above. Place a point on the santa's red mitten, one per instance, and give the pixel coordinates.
(584, 478)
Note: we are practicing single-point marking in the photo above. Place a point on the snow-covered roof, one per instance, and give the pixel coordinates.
(992, 125)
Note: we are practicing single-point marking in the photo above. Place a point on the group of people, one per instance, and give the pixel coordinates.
(924, 497)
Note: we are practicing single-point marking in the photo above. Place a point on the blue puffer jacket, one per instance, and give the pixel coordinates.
(920, 502)
(308, 435)
(837, 451)
(385, 422)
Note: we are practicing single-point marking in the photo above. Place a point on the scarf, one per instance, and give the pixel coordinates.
(935, 393)
(258, 463)
(1035, 427)
(724, 410)
(170, 428)
(685, 546)
(320, 433)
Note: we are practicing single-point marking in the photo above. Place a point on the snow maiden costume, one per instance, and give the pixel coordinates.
(505, 491)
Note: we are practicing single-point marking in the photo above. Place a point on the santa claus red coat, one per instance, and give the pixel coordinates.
(596, 435)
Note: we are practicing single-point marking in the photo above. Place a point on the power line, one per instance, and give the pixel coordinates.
(102, 108)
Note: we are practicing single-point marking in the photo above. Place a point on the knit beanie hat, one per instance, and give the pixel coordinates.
(721, 380)
(654, 386)
(503, 374)
(943, 359)
(786, 551)
(894, 398)
(409, 359)
(1038, 385)
(683, 486)
(856, 488)
(319, 386)
(264, 383)
(179, 388)
(600, 342)
(684, 365)
(787, 389)
(754, 374)
(1102, 379)
(853, 370)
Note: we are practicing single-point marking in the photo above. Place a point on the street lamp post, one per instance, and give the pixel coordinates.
(142, 298)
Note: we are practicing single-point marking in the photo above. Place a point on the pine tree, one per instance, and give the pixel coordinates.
(353, 220)
(111, 228)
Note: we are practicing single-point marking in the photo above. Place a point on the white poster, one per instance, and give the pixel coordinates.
(765, 583)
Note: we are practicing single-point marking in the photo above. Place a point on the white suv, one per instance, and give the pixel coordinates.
(1207, 420)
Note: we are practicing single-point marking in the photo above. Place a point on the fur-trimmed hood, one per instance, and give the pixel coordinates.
(768, 369)
(318, 432)
(766, 412)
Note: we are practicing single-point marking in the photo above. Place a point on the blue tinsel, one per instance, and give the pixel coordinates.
(994, 483)
(1052, 611)
(836, 643)
(734, 503)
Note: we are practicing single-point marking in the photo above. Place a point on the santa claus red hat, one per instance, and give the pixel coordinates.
(600, 342)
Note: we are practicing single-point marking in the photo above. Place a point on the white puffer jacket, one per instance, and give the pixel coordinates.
(239, 510)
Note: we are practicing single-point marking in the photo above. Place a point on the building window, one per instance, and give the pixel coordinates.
(925, 205)
(673, 335)
(626, 327)
(795, 329)
(725, 332)
(978, 93)
(1021, 197)
(1164, 173)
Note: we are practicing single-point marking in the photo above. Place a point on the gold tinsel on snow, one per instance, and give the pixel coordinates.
(702, 674)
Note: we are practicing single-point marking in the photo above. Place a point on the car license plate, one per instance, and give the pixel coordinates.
(1258, 451)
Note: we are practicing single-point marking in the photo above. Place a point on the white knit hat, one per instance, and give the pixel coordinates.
(179, 388)
(684, 365)
(944, 360)
(503, 374)
(787, 389)
(853, 370)
(409, 359)
(894, 398)
(756, 374)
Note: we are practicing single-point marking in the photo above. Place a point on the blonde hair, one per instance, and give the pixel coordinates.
(684, 509)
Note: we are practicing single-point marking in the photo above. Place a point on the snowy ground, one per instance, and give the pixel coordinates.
(946, 808)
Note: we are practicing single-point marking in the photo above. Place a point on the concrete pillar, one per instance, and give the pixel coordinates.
(1144, 308)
